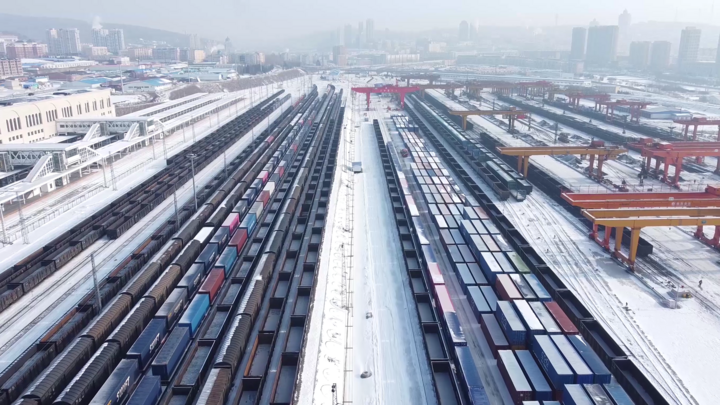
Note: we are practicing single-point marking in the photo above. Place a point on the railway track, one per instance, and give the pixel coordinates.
(71, 352)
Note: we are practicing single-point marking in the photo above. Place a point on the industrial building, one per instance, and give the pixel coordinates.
(144, 86)
(32, 119)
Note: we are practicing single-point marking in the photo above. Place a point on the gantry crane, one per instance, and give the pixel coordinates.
(635, 107)
(511, 114)
(400, 91)
(596, 148)
(672, 154)
(695, 123)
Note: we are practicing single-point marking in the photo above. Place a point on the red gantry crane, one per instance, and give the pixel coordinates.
(635, 107)
(431, 78)
(575, 96)
(400, 91)
(695, 123)
(672, 154)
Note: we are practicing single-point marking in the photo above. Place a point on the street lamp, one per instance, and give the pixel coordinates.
(192, 158)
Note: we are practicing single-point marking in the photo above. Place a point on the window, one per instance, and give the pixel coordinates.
(102, 104)
(94, 105)
(79, 109)
(87, 107)
(17, 121)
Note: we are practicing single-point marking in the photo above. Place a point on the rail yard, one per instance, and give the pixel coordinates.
(339, 241)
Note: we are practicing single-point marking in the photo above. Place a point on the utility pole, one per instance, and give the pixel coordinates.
(164, 147)
(152, 141)
(23, 230)
(225, 164)
(98, 299)
(112, 175)
(2, 220)
(556, 132)
(177, 217)
(192, 157)
(104, 176)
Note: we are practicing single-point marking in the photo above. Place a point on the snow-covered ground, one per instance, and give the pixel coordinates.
(56, 212)
(29, 318)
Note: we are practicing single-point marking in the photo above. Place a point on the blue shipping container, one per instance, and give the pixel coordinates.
(171, 352)
(502, 243)
(227, 259)
(117, 387)
(490, 296)
(523, 287)
(207, 256)
(583, 374)
(490, 266)
(477, 302)
(552, 361)
(503, 262)
(574, 394)
(221, 237)
(518, 262)
(471, 377)
(515, 380)
(147, 392)
(528, 318)
(510, 323)
(543, 391)
(248, 222)
(597, 394)
(195, 312)
(192, 278)
(172, 308)
(477, 273)
(241, 207)
(618, 394)
(540, 291)
(602, 374)
(543, 315)
(148, 342)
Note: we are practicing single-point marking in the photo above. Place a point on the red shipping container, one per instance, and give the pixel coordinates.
(270, 139)
(435, 274)
(561, 318)
(294, 147)
(264, 175)
(264, 197)
(212, 283)
(232, 221)
(506, 288)
(238, 239)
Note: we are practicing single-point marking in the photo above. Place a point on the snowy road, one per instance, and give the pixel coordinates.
(385, 323)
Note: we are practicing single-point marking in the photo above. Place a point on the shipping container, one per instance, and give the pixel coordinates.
(204, 235)
(212, 283)
(226, 260)
(477, 273)
(480, 227)
(208, 256)
(117, 387)
(489, 266)
(506, 289)
(501, 243)
(602, 374)
(466, 278)
(518, 386)
(470, 376)
(248, 223)
(503, 262)
(597, 394)
(574, 394)
(238, 239)
(618, 394)
(241, 207)
(147, 343)
(528, 318)
(195, 312)
(537, 287)
(221, 237)
(523, 287)
(544, 317)
(552, 361)
(583, 374)
(147, 392)
(231, 222)
(490, 297)
(192, 278)
(257, 209)
(490, 243)
(478, 303)
(562, 320)
(171, 352)
(451, 319)
(518, 262)
(540, 385)
(173, 306)
(469, 213)
(491, 228)
(511, 324)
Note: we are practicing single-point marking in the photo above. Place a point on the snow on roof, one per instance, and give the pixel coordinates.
(157, 82)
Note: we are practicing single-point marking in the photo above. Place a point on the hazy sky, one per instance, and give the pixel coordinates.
(277, 19)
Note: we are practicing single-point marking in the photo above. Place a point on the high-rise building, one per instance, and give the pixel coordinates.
(660, 55)
(20, 50)
(167, 54)
(577, 48)
(228, 46)
(348, 35)
(360, 40)
(624, 21)
(63, 41)
(602, 44)
(464, 31)
(340, 55)
(640, 54)
(10, 67)
(113, 40)
(53, 41)
(194, 42)
(689, 46)
(370, 30)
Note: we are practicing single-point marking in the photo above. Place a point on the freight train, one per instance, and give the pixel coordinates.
(513, 326)
(65, 354)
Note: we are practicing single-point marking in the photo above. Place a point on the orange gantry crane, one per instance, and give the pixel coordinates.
(638, 210)
(636, 219)
(595, 149)
(695, 123)
(511, 114)
(673, 154)
(635, 107)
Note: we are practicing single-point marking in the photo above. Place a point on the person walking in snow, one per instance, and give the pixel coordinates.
(700, 283)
